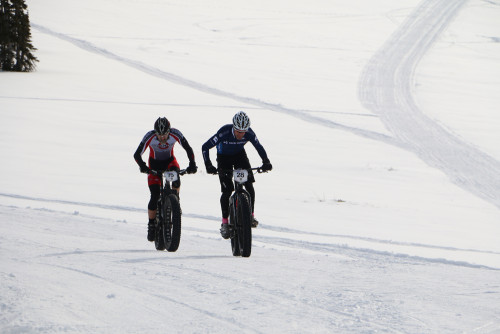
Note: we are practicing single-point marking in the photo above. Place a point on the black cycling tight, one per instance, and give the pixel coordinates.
(224, 199)
(155, 195)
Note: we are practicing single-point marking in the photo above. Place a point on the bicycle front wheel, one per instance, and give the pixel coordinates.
(172, 231)
(159, 225)
(235, 245)
(243, 224)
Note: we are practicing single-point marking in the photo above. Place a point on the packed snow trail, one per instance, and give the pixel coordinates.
(93, 273)
(173, 78)
(319, 242)
(386, 89)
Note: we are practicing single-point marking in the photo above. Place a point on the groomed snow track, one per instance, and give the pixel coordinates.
(386, 88)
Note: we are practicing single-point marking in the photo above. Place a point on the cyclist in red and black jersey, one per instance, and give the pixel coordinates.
(161, 143)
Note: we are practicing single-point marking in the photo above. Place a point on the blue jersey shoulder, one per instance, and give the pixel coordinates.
(227, 144)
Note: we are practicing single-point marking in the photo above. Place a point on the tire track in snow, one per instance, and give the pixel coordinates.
(269, 295)
(132, 103)
(386, 88)
(178, 303)
(281, 230)
(300, 240)
(357, 252)
(156, 72)
(97, 205)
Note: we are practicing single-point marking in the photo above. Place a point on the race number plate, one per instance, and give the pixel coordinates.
(170, 176)
(240, 175)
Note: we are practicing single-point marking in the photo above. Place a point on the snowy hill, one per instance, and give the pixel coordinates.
(382, 212)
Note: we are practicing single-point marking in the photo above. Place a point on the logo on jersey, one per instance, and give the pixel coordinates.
(163, 146)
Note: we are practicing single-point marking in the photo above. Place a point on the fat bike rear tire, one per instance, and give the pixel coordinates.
(244, 225)
(172, 230)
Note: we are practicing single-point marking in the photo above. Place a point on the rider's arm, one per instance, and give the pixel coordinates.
(188, 149)
(179, 137)
(138, 155)
(212, 142)
(258, 146)
(206, 147)
(141, 148)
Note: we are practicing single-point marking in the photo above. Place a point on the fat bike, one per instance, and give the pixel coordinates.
(240, 212)
(168, 214)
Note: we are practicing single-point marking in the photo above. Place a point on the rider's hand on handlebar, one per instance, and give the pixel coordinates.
(266, 166)
(192, 168)
(154, 172)
(144, 169)
(211, 169)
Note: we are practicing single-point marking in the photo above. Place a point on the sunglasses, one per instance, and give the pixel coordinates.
(163, 134)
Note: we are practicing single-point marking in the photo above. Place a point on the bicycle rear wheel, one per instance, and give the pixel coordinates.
(243, 224)
(172, 230)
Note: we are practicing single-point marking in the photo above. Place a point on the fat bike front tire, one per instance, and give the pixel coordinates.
(172, 230)
(235, 245)
(244, 225)
(159, 227)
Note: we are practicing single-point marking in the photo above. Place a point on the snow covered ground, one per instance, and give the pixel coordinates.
(382, 212)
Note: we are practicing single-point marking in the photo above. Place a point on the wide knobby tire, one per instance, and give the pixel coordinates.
(159, 223)
(244, 225)
(235, 245)
(172, 231)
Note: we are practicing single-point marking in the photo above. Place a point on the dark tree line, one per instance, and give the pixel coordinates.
(15, 37)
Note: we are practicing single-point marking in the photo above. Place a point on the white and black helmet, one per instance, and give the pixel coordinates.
(241, 122)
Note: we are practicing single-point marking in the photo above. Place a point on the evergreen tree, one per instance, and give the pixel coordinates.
(15, 37)
(6, 47)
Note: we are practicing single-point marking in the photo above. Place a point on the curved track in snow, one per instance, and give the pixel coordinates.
(385, 88)
(174, 78)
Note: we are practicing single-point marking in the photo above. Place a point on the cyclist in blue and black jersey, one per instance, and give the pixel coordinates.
(230, 141)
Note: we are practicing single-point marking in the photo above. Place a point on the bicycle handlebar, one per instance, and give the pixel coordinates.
(184, 171)
(229, 171)
(161, 171)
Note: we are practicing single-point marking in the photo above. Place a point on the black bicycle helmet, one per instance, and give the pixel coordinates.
(162, 126)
